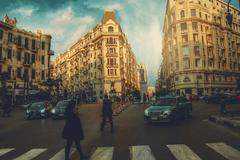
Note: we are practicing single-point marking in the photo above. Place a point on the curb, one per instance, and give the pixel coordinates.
(224, 122)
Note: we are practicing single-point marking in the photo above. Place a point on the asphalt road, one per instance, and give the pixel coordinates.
(189, 139)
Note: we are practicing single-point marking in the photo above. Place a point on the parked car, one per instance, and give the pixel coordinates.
(39, 110)
(168, 109)
(91, 99)
(59, 110)
(25, 105)
(194, 97)
(214, 98)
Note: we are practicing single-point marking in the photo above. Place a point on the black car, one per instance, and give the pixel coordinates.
(168, 109)
(59, 110)
(38, 110)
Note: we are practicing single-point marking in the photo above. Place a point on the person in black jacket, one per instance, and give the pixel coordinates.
(107, 113)
(73, 131)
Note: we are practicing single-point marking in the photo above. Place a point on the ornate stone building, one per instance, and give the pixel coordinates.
(24, 58)
(101, 62)
(201, 52)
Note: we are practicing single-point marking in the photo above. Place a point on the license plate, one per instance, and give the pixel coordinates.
(154, 118)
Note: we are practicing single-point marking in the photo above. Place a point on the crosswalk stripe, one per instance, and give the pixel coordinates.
(142, 152)
(225, 150)
(182, 152)
(103, 153)
(5, 150)
(61, 154)
(31, 154)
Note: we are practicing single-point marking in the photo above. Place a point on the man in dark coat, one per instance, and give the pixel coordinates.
(73, 131)
(107, 113)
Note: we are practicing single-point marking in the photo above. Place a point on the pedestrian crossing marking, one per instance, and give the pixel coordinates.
(103, 153)
(141, 153)
(5, 150)
(225, 150)
(61, 154)
(183, 152)
(31, 154)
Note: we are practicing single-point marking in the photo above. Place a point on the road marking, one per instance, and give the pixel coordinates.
(5, 150)
(31, 154)
(182, 152)
(61, 154)
(141, 153)
(103, 153)
(225, 150)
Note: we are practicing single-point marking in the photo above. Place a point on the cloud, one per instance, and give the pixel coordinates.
(102, 5)
(25, 11)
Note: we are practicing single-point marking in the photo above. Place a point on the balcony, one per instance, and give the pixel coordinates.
(112, 55)
(26, 64)
(112, 65)
(2, 59)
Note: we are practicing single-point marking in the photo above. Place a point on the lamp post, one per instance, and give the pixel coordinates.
(229, 15)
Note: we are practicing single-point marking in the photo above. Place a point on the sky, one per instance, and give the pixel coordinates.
(68, 20)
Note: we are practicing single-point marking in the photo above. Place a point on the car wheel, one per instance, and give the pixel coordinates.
(29, 118)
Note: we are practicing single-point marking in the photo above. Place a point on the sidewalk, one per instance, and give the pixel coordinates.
(231, 119)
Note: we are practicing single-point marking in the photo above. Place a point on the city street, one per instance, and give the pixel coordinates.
(189, 139)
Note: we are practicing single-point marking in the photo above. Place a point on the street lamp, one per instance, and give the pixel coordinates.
(229, 15)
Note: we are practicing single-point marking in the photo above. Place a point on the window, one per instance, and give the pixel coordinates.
(206, 16)
(186, 63)
(33, 58)
(19, 73)
(193, 12)
(33, 44)
(200, 14)
(43, 45)
(182, 14)
(9, 53)
(43, 60)
(112, 72)
(183, 26)
(197, 62)
(26, 43)
(184, 38)
(195, 26)
(196, 51)
(1, 56)
(177, 65)
(19, 42)
(33, 73)
(1, 34)
(25, 74)
(19, 56)
(10, 37)
(26, 58)
(43, 75)
(185, 50)
(195, 37)
(9, 71)
(110, 29)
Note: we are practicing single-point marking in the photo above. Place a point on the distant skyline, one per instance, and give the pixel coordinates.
(68, 20)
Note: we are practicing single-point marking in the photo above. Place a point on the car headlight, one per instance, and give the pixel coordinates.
(167, 112)
(27, 111)
(53, 111)
(146, 112)
(43, 110)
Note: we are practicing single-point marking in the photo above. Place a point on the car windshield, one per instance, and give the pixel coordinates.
(165, 101)
(62, 104)
(37, 105)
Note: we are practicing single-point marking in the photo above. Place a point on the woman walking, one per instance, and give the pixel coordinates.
(72, 131)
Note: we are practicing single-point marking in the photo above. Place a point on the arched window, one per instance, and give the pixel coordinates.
(110, 29)
(182, 13)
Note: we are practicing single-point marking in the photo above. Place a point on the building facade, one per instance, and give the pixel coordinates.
(101, 62)
(24, 59)
(201, 51)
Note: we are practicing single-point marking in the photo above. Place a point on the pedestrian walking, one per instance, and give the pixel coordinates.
(6, 107)
(73, 131)
(223, 109)
(107, 113)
